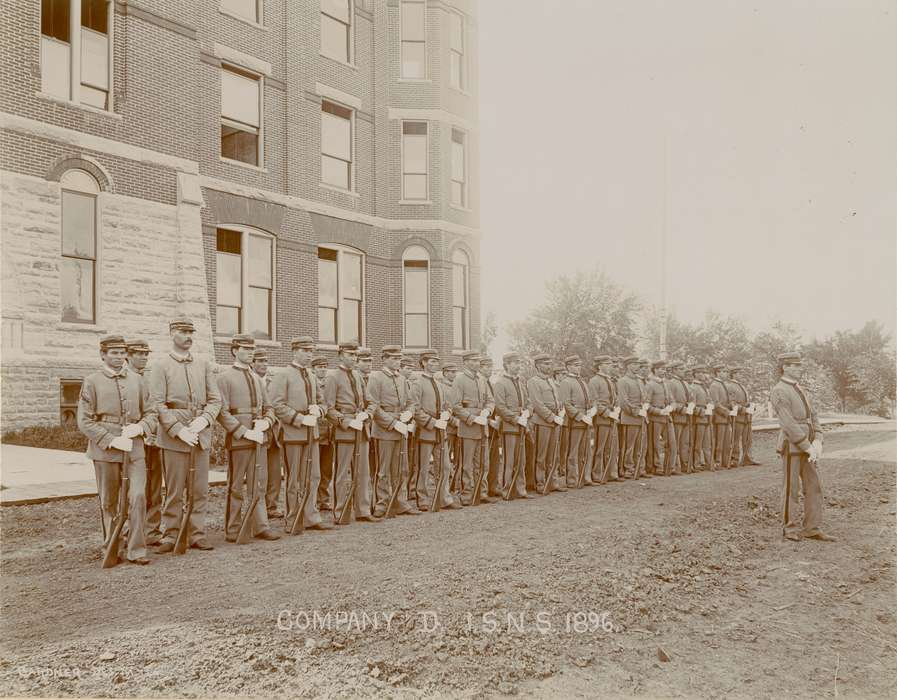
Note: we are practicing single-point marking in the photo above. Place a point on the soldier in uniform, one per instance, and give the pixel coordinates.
(447, 378)
(800, 446)
(719, 395)
(114, 412)
(473, 407)
(432, 414)
(248, 419)
(660, 414)
(744, 419)
(185, 392)
(681, 395)
(138, 355)
(297, 405)
(365, 366)
(604, 393)
(512, 407)
(319, 365)
(344, 396)
(407, 365)
(631, 397)
(643, 370)
(493, 452)
(617, 370)
(547, 423)
(275, 453)
(703, 422)
(574, 395)
(390, 406)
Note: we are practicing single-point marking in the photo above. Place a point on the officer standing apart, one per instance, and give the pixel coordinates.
(185, 392)
(473, 406)
(114, 412)
(248, 419)
(512, 407)
(800, 446)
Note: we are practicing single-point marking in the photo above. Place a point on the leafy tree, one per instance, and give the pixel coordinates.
(489, 332)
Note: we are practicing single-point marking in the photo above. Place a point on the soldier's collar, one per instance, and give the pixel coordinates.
(510, 376)
(181, 358)
(112, 374)
(471, 373)
(788, 380)
(389, 373)
(131, 368)
(240, 365)
(298, 366)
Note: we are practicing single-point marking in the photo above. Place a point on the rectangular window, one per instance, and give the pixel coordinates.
(459, 168)
(336, 29)
(241, 110)
(92, 66)
(417, 303)
(457, 72)
(459, 305)
(249, 10)
(340, 295)
(336, 145)
(244, 291)
(79, 256)
(414, 160)
(69, 394)
(414, 39)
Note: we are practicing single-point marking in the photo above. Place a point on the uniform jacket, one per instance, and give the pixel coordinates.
(659, 397)
(292, 391)
(109, 401)
(800, 423)
(472, 395)
(449, 393)
(574, 395)
(631, 398)
(387, 398)
(428, 396)
(681, 394)
(345, 396)
(701, 394)
(543, 396)
(604, 394)
(243, 399)
(149, 438)
(511, 400)
(277, 430)
(180, 390)
(719, 394)
(740, 396)
(325, 427)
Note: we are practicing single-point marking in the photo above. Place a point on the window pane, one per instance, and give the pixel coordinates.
(350, 321)
(456, 31)
(416, 330)
(248, 9)
(94, 97)
(240, 98)
(459, 285)
(94, 59)
(415, 187)
(55, 19)
(258, 313)
(458, 327)
(94, 15)
(327, 287)
(228, 241)
(335, 172)
(227, 320)
(78, 224)
(336, 8)
(457, 194)
(336, 136)
(334, 39)
(457, 161)
(414, 59)
(240, 145)
(413, 21)
(414, 154)
(416, 289)
(76, 288)
(55, 71)
(455, 71)
(229, 285)
(351, 264)
(260, 262)
(327, 325)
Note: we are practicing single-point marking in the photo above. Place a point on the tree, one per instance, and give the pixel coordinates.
(490, 331)
(586, 313)
(716, 339)
(874, 376)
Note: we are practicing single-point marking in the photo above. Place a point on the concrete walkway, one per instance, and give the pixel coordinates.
(35, 475)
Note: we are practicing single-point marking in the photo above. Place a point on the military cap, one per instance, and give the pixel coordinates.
(789, 358)
(541, 357)
(486, 360)
(242, 341)
(688, 370)
(737, 369)
(319, 361)
(559, 367)
(470, 355)
(302, 342)
(700, 368)
(674, 365)
(108, 342)
(429, 354)
(658, 363)
(260, 355)
(391, 351)
(408, 362)
(364, 353)
(572, 360)
(449, 368)
(137, 345)
(181, 324)
(646, 363)
(348, 346)
(631, 360)
(717, 367)
(510, 357)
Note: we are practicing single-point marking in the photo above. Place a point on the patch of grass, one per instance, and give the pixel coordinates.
(51, 437)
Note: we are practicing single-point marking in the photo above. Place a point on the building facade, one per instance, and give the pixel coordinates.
(274, 167)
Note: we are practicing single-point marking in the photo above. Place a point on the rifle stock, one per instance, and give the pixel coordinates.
(546, 487)
(110, 552)
(245, 533)
(345, 516)
(439, 451)
(484, 456)
(397, 485)
(518, 465)
(180, 544)
(298, 526)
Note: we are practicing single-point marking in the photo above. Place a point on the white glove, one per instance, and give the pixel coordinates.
(522, 420)
(690, 409)
(411, 427)
(485, 413)
(665, 411)
(315, 410)
(615, 414)
(356, 424)
(310, 420)
(750, 409)
(445, 415)
(817, 443)
(132, 430)
(122, 443)
(361, 416)
(199, 424)
(260, 425)
(257, 436)
(440, 424)
(710, 407)
(559, 419)
(400, 427)
(592, 412)
(481, 420)
(813, 453)
(188, 436)
(734, 411)
(405, 416)
(586, 418)
(643, 412)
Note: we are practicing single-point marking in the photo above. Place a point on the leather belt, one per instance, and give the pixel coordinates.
(115, 420)
(244, 410)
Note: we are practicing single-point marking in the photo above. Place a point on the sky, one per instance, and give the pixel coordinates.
(760, 135)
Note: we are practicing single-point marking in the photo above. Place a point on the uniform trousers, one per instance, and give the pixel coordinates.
(495, 476)
(545, 443)
(514, 450)
(701, 451)
(722, 436)
(325, 485)
(244, 470)
(682, 427)
(177, 465)
(604, 456)
(665, 440)
(108, 487)
(739, 453)
(272, 490)
(430, 472)
(342, 479)
(799, 473)
(394, 472)
(471, 468)
(631, 446)
(303, 475)
(577, 455)
(153, 458)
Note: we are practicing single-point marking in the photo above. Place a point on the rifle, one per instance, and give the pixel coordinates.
(110, 552)
(397, 485)
(518, 463)
(441, 472)
(694, 437)
(348, 511)
(299, 521)
(554, 461)
(731, 439)
(245, 533)
(180, 544)
(457, 465)
(478, 487)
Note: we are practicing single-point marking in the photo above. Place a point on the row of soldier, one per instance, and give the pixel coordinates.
(415, 435)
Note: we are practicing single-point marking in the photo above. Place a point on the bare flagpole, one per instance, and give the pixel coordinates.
(664, 233)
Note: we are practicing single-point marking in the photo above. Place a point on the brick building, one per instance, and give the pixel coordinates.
(279, 167)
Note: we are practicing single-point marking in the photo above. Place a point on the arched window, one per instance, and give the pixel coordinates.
(244, 290)
(340, 294)
(460, 300)
(78, 267)
(416, 296)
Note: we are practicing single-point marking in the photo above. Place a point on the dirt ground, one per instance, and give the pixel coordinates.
(673, 587)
